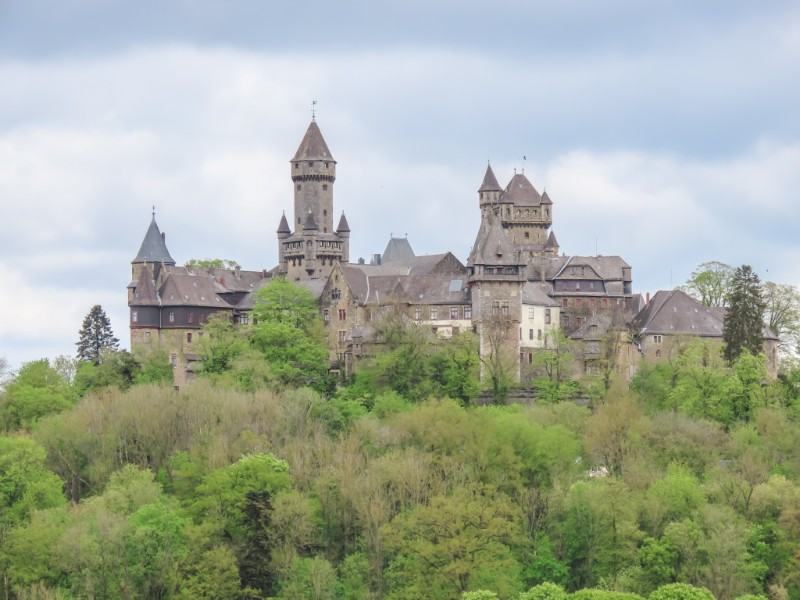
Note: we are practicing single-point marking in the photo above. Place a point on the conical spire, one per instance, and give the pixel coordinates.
(491, 245)
(343, 226)
(283, 226)
(551, 241)
(313, 146)
(153, 248)
(546, 198)
(490, 182)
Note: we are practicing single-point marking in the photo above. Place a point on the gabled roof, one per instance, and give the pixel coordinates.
(313, 146)
(675, 312)
(521, 192)
(153, 248)
(490, 182)
(397, 249)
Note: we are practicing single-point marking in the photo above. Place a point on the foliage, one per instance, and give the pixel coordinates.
(710, 283)
(782, 315)
(680, 591)
(211, 263)
(744, 321)
(95, 336)
(38, 390)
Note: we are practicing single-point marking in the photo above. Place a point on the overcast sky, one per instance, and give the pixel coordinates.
(665, 132)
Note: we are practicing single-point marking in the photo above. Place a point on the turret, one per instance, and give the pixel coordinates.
(153, 251)
(489, 192)
(343, 231)
(313, 174)
(283, 233)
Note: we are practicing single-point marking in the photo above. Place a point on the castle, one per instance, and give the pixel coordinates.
(515, 289)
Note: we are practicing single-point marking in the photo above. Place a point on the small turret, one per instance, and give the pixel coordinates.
(490, 191)
(153, 250)
(343, 231)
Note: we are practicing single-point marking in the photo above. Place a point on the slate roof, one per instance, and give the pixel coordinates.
(343, 225)
(490, 183)
(604, 267)
(313, 146)
(145, 292)
(492, 246)
(675, 312)
(283, 226)
(521, 192)
(536, 295)
(192, 290)
(154, 247)
(551, 241)
(546, 198)
(397, 249)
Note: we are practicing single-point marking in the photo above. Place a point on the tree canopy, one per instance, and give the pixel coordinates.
(744, 319)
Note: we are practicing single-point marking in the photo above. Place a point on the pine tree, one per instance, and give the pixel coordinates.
(95, 336)
(744, 320)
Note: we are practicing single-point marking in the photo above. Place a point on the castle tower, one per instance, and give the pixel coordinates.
(314, 247)
(489, 192)
(313, 174)
(496, 277)
(153, 251)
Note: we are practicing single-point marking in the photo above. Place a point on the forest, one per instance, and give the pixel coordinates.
(267, 478)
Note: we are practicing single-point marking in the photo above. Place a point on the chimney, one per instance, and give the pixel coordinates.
(222, 280)
(647, 299)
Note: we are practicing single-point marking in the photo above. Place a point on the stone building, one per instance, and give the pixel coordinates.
(514, 289)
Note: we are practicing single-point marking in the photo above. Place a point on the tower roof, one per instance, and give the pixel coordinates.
(492, 246)
(283, 226)
(343, 225)
(153, 248)
(311, 223)
(521, 192)
(397, 249)
(546, 198)
(490, 182)
(551, 241)
(313, 146)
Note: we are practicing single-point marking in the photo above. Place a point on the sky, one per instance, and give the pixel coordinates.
(666, 132)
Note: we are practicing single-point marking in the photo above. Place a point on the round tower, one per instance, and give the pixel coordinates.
(313, 174)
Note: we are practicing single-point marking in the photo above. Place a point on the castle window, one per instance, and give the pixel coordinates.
(565, 302)
(325, 188)
(578, 285)
(605, 302)
(342, 336)
(578, 303)
(467, 312)
(434, 313)
(296, 166)
(135, 316)
(298, 187)
(417, 314)
(311, 163)
(591, 285)
(342, 314)
(147, 335)
(578, 321)
(527, 235)
(547, 316)
(326, 165)
(174, 360)
(244, 319)
(453, 312)
(530, 334)
(172, 317)
(657, 339)
(190, 318)
(326, 315)
(539, 334)
(189, 338)
(591, 302)
(658, 353)
(368, 315)
(531, 313)
(336, 293)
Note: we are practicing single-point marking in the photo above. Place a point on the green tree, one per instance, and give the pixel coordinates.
(744, 320)
(544, 591)
(782, 314)
(288, 332)
(680, 591)
(710, 283)
(211, 263)
(38, 390)
(95, 336)
(551, 370)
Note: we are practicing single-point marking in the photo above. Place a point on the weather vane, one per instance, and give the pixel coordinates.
(313, 109)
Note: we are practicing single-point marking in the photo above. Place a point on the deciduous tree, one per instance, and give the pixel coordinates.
(710, 283)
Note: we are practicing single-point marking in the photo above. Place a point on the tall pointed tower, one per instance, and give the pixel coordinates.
(152, 255)
(314, 247)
